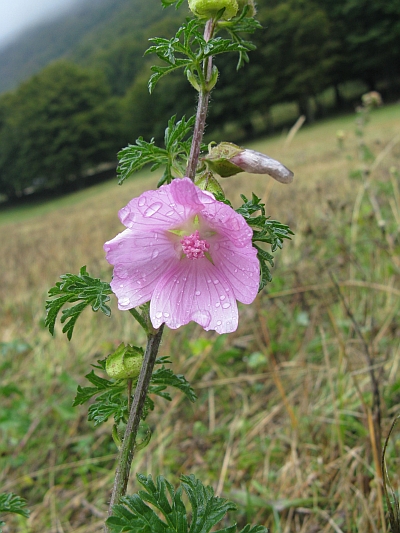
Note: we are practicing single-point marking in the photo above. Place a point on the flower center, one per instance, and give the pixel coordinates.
(194, 247)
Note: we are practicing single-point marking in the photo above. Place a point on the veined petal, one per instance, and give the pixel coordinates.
(139, 261)
(155, 210)
(227, 223)
(185, 192)
(194, 290)
(240, 265)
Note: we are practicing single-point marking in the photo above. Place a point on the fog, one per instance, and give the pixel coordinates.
(18, 15)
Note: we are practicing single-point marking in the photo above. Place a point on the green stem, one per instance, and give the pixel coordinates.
(202, 107)
(128, 444)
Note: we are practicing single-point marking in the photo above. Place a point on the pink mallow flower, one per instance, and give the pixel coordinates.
(188, 254)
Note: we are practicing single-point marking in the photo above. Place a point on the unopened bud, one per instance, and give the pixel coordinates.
(210, 8)
(207, 182)
(228, 159)
(125, 362)
(251, 9)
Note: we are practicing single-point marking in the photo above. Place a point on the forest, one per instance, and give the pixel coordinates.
(88, 95)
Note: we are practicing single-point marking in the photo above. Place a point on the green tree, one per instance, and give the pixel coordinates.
(57, 125)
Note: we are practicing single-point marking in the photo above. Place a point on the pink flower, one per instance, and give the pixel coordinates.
(188, 254)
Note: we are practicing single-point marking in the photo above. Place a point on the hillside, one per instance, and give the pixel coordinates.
(76, 35)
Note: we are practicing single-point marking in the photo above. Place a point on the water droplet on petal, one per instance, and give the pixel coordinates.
(197, 293)
(222, 297)
(154, 254)
(208, 281)
(226, 305)
(122, 285)
(219, 322)
(217, 304)
(142, 201)
(158, 314)
(170, 213)
(166, 315)
(124, 301)
(235, 270)
(201, 317)
(152, 209)
(216, 281)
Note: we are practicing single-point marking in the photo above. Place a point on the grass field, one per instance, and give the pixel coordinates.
(286, 424)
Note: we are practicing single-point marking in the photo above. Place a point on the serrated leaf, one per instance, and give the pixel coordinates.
(73, 288)
(168, 3)
(134, 157)
(11, 503)
(164, 377)
(134, 514)
(85, 393)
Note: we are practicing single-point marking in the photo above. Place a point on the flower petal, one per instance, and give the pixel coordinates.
(139, 261)
(194, 290)
(240, 266)
(155, 210)
(226, 222)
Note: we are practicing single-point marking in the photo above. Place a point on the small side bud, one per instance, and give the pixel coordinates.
(213, 79)
(207, 182)
(125, 362)
(193, 80)
(251, 8)
(219, 159)
(228, 159)
(210, 8)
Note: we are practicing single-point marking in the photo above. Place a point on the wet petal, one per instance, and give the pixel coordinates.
(194, 290)
(139, 261)
(240, 266)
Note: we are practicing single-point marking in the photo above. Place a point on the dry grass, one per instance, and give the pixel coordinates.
(284, 421)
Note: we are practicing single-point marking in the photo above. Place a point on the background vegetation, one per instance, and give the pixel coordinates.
(312, 57)
(283, 421)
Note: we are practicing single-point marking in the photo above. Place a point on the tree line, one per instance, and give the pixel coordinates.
(74, 115)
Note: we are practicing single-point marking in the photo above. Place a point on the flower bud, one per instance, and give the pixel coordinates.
(210, 8)
(228, 159)
(207, 182)
(125, 362)
(251, 10)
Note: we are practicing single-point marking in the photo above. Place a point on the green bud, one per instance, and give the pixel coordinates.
(193, 80)
(125, 362)
(210, 8)
(218, 159)
(213, 79)
(251, 8)
(207, 182)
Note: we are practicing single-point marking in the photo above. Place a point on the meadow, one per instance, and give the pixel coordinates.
(293, 407)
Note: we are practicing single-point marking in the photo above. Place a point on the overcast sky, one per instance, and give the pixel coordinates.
(16, 15)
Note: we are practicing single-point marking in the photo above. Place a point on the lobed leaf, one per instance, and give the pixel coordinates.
(136, 514)
(11, 503)
(164, 377)
(134, 157)
(73, 288)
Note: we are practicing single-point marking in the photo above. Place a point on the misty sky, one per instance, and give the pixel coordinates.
(16, 15)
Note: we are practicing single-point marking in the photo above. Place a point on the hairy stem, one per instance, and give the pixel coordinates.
(202, 107)
(128, 444)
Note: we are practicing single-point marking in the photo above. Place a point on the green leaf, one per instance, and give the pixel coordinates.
(85, 393)
(73, 288)
(265, 231)
(167, 3)
(165, 377)
(110, 404)
(134, 157)
(11, 503)
(135, 513)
